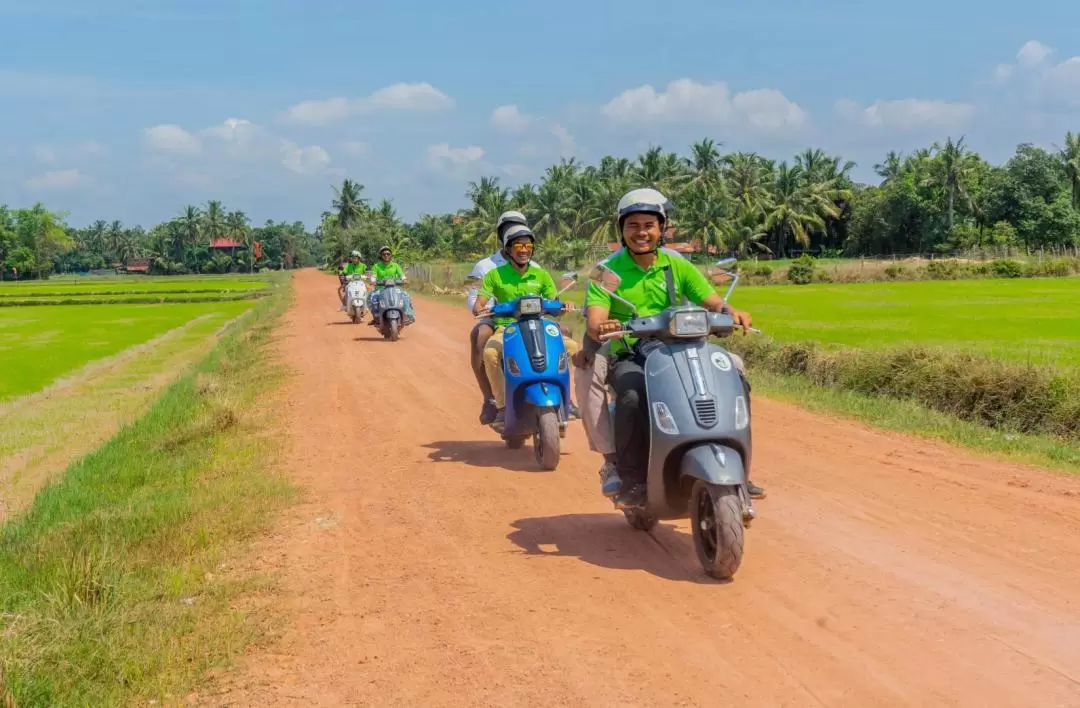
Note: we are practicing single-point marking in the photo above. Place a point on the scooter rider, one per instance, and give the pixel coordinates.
(353, 267)
(591, 367)
(641, 219)
(478, 337)
(382, 269)
(515, 278)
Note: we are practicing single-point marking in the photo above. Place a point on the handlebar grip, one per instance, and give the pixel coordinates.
(613, 335)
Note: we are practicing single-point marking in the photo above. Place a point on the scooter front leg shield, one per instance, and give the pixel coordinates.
(536, 395)
(713, 463)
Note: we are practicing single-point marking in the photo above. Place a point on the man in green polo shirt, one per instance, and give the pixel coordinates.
(382, 269)
(641, 268)
(352, 267)
(518, 277)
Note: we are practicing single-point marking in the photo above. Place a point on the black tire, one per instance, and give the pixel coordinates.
(356, 317)
(716, 520)
(639, 519)
(546, 440)
(515, 443)
(394, 330)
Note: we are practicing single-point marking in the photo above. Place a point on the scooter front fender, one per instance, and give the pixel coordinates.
(536, 395)
(713, 463)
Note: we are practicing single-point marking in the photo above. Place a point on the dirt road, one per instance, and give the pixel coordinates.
(430, 566)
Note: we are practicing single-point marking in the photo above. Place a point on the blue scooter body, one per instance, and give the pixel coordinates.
(535, 363)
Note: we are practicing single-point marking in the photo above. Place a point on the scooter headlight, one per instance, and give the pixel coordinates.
(531, 306)
(694, 323)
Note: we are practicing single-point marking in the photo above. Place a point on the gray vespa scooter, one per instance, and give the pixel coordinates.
(699, 433)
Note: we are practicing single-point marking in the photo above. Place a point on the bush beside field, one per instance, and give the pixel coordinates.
(806, 269)
(1005, 395)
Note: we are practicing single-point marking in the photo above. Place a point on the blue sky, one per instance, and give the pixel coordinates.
(129, 110)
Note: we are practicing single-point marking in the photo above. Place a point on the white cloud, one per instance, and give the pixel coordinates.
(689, 102)
(58, 179)
(567, 143)
(1032, 54)
(420, 97)
(907, 114)
(441, 155)
(1062, 82)
(355, 148)
(1042, 81)
(509, 119)
(171, 138)
(304, 160)
(769, 111)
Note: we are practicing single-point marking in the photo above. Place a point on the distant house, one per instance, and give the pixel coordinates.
(135, 265)
(226, 244)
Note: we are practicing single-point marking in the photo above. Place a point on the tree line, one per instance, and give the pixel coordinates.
(942, 198)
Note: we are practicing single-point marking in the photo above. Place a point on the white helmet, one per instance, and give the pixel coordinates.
(355, 254)
(510, 217)
(643, 201)
(515, 231)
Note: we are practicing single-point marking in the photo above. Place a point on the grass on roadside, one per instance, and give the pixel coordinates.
(111, 588)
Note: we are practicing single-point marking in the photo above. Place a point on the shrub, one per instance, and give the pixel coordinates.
(1019, 397)
(1007, 268)
(802, 269)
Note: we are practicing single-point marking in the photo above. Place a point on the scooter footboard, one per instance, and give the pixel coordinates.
(714, 463)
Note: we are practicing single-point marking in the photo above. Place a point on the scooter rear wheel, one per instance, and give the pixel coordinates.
(515, 443)
(716, 519)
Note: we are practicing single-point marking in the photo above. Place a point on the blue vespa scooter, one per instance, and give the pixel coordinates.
(537, 370)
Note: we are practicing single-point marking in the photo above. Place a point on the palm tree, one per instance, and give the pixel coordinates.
(348, 203)
(704, 164)
(950, 170)
(1070, 158)
(189, 229)
(214, 221)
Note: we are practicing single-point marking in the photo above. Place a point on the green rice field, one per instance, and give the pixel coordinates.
(1030, 319)
(50, 329)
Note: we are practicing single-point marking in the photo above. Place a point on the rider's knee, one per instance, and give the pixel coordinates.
(740, 365)
(492, 355)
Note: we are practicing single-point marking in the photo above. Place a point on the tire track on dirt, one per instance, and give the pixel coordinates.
(431, 566)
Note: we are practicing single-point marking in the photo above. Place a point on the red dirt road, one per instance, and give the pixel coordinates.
(430, 566)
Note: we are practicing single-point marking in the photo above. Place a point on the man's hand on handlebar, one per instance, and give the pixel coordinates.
(742, 319)
(609, 327)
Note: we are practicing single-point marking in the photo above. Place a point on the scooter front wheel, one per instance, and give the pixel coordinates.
(394, 330)
(716, 519)
(546, 440)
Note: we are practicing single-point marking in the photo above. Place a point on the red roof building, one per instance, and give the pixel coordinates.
(226, 243)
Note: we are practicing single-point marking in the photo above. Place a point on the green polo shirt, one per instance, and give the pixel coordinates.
(647, 288)
(353, 269)
(505, 284)
(383, 271)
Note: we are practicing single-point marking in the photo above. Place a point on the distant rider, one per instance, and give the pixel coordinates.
(352, 267)
(641, 219)
(515, 278)
(387, 268)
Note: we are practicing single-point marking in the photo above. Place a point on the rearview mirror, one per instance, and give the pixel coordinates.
(605, 278)
(566, 280)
